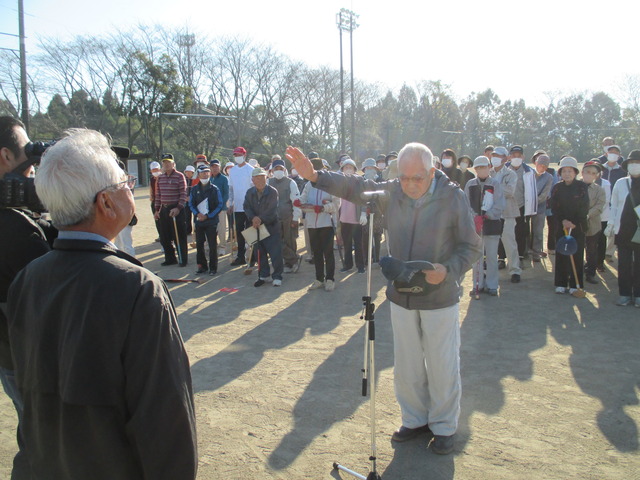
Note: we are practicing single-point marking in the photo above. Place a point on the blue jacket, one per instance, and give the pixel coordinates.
(214, 198)
(222, 182)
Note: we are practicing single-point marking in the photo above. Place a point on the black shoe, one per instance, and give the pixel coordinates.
(184, 264)
(404, 433)
(169, 262)
(345, 269)
(361, 270)
(591, 280)
(515, 278)
(259, 283)
(238, 261)
(502, 265)
(201, 270)
(212, 272)
(442, 444)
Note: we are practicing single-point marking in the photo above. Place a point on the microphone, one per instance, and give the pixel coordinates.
(374, 195)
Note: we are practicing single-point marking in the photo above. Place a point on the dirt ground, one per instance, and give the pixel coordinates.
(550, 382)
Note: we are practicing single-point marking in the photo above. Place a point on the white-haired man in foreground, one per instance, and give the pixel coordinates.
(99, 359)
(428, 219)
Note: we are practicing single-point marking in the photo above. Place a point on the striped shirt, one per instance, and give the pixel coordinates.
(171, 190)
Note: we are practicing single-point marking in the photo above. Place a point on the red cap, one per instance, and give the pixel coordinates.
(239, 151)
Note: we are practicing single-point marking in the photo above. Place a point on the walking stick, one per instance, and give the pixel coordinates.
(175, 227)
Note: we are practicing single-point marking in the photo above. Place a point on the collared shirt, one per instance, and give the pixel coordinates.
(77, 235)
(171, 190)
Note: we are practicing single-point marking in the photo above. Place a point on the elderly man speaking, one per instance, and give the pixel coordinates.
(428, 219)
(99, 359)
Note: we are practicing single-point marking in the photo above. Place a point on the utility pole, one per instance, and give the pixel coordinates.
(23, 68)
(346, 20)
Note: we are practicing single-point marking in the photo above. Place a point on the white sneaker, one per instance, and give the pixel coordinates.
(316, 284)
(560, 290)
(329, 285)
(572, 291)
(221, 251)
(266, 279)
(277, 282)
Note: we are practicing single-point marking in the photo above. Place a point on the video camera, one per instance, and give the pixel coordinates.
(18, 191)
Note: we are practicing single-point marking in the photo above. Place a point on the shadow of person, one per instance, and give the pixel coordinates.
(495, 344)
(414, 460)
(285, 328)
(604, 363)
(334, 393)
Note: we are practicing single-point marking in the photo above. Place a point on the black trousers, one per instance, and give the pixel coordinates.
(563, 275)
(591, 254)
(602, 246)
(241, 223)
(375, 251)
(168, 235)
(188, 220)
(208, 233)
(523, 233)
(629, 271)
(321, 240)
(352, 240)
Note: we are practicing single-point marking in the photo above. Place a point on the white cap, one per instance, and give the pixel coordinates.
(481, 161)
(190, 168)
(154, 165)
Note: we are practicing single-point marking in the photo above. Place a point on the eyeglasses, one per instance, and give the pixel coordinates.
(416, 179)
(130, 183)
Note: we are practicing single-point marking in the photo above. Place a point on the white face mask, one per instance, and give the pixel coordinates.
(370, 174)
(464, 166)
(612, 157)
(204, 181)
(447, 162)
(156, 174)
(278, 174)
(633, 169)
(516, 162)
(382, 166)
(496, 161)
(238, 160)
(348, 171)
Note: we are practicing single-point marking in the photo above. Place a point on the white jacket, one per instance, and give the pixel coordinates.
(313, 196)
(618, 197)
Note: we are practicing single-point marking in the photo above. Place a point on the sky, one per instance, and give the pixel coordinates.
(527, 50)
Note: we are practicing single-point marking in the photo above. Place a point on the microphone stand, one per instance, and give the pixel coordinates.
(368, 369)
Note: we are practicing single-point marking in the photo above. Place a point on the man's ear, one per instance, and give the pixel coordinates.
(105, 206)
(6, 164)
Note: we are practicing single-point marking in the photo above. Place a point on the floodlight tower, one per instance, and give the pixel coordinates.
(346, 21)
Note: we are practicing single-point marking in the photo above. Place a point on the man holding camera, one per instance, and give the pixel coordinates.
(100, 363)
(428, 220)
(23, 237)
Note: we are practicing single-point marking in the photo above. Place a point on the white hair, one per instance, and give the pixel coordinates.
(71, 174)
(411, 150)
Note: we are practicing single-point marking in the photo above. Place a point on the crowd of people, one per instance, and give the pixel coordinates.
(108, 383)
(513, 201)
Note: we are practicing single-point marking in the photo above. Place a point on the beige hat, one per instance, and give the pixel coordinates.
(481, 161)
(258, 171)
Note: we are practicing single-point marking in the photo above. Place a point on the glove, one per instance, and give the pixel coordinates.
(487, 201)
(297, 203)
(363, 219)
(317, 208)
(329, 207)
(608, 231)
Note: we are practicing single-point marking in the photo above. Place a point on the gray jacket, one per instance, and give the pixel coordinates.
(438, 228)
